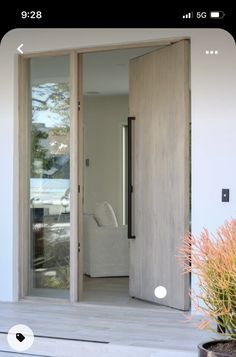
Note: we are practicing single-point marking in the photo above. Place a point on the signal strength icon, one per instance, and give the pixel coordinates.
(189, 15)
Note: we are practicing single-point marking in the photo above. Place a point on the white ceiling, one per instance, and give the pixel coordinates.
(107, 73)
(104, 73)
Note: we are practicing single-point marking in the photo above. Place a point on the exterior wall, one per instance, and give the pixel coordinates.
(213, 113)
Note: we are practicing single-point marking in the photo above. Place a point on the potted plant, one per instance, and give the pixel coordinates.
(212, 258)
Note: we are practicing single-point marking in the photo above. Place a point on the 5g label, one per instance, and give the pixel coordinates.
(201, 15)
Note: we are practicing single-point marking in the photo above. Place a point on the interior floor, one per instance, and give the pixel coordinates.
(112, 291)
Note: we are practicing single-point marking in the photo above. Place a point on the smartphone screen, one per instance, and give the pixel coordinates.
(117, 140)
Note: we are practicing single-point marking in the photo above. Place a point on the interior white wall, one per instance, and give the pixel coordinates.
(103, 119)
(213, 112)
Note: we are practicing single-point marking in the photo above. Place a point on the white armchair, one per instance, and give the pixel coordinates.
(106, 249)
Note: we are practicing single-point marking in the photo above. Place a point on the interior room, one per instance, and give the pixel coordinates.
(105, 113)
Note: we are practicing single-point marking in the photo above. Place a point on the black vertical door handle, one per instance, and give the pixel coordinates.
(130, 184)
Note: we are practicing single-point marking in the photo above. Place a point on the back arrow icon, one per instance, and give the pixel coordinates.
(19, 48)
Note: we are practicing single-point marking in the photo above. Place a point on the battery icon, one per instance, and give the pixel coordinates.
(217, 14)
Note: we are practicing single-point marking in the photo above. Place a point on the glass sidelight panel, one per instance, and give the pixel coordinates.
(49, 238)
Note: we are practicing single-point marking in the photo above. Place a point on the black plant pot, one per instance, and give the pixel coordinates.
(204, 349)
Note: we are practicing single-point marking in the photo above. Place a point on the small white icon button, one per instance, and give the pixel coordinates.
(160, 292)
(19, 48)
(20, 338)
(211, 52)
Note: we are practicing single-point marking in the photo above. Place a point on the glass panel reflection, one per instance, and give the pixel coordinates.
(50, 177)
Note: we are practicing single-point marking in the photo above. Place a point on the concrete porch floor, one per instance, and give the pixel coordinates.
(130, 331)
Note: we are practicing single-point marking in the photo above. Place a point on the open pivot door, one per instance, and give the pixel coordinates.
(159, 101)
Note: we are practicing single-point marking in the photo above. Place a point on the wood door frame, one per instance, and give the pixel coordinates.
(76, 170)
(23, 172)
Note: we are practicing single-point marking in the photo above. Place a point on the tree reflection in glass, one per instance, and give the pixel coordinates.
(50, 177)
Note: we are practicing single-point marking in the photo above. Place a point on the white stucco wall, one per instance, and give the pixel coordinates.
(213, 111)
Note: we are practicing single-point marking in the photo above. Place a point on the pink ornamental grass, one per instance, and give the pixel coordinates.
(212, 258)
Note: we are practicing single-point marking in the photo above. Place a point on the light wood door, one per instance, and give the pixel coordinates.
(159, 100)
